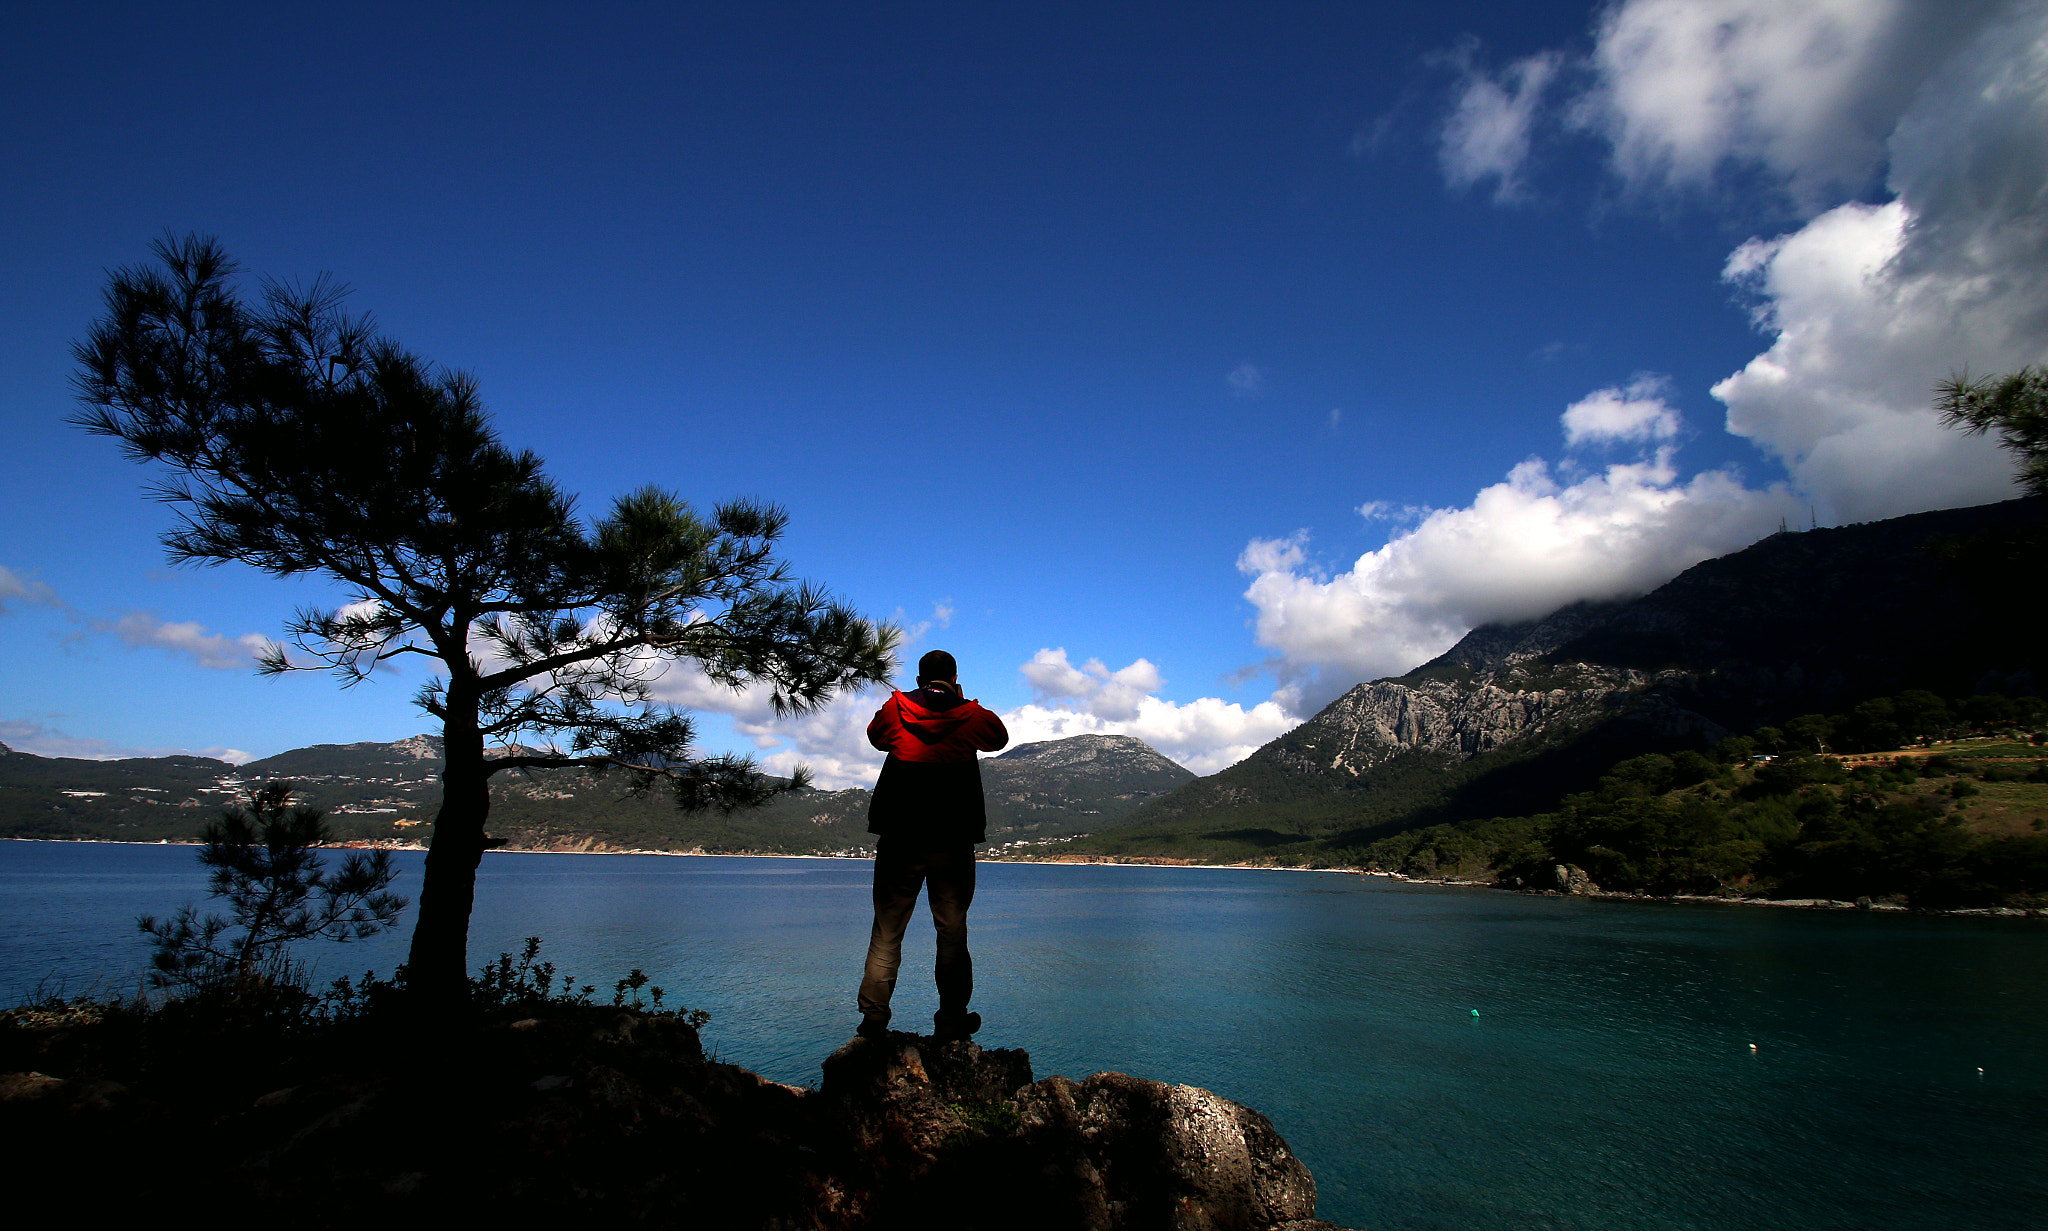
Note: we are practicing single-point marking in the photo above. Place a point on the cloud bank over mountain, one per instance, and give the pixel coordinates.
(1908, 142)
(1204, 735)
(1546, 535)
(1815, 107)
(1071, 365)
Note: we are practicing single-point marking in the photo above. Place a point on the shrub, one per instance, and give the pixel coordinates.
(267, 865)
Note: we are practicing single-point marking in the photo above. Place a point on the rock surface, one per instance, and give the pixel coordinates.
(1572, 879)
(1133, 1152)
(963, 1137)
(591, 1116)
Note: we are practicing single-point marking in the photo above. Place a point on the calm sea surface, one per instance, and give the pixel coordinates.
(1606, 1082)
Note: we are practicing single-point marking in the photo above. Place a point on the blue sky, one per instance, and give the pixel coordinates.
(1175, 366)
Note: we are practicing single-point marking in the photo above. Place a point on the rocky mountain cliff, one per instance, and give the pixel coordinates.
(1514, 715)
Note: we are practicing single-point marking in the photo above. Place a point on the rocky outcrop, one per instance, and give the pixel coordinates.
(418, 747)
(1083, 782)
(1097, 755)
(1373, 723)
(1391, 751)
(590, 1117)
(1122, 1151)
(962, 1137)
(1572, 879)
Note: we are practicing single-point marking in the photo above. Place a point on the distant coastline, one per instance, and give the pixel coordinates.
(1104, 861)
(1707, 899)
(1682, 899)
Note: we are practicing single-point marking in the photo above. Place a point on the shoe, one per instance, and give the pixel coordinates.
(873, 1028)
(947, 1027)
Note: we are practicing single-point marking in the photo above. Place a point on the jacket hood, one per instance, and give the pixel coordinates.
(931, 715)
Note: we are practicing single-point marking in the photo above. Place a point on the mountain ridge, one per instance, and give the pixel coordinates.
(1516, 714)
(389, 792)
(1504, 723)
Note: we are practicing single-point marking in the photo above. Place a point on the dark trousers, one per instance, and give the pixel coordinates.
(948, 879)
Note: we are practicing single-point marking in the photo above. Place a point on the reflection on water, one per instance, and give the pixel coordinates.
(1606, 1081)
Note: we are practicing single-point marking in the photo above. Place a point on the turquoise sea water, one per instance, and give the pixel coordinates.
(1606, 1082)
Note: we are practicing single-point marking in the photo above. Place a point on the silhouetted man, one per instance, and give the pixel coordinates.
(927, 814)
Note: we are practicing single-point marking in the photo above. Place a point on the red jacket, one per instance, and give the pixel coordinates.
(929, 790)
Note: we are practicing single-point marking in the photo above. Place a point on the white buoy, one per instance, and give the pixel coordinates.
(1752, 1047)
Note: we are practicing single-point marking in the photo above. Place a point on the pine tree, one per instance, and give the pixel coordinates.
(298, 441)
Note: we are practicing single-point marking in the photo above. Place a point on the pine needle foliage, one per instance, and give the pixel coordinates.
(2016, 405)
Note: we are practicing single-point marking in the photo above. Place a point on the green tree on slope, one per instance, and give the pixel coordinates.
(298, 441)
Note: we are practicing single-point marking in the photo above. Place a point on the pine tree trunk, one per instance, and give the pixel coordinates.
(437, 969)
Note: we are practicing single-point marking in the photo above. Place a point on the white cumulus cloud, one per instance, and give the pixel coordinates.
(832, 742)
(1698, 93)
(1844, 396)
(1205, 735)
(1911, 139)
(1524, 547)
(914, 633)
(1798, 99)
(1113, 695)
(684, 684)
(190, 639)
(1633, 413)
(1387, 510)
(1869, 305)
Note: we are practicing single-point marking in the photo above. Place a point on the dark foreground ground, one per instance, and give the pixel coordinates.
(588, 1116)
